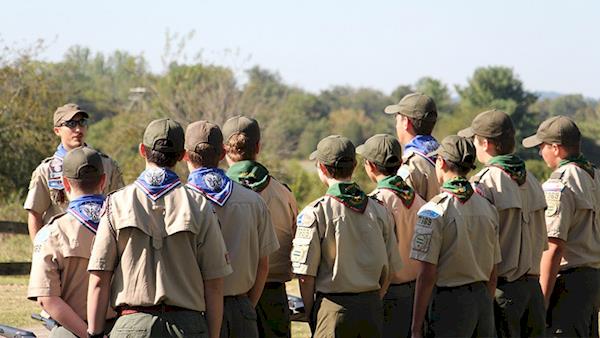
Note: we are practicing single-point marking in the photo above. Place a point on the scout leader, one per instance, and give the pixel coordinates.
(245, 224)
(382, 157)
(570, 275)
(59, 277)
(46, 196)
(159, 256)
(344, 250)
(519, 199)
(242, 145)
(456, 242)
(416, 115)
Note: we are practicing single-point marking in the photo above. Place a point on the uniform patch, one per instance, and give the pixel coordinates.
(553, 207)
(299, 254)
(553, 185)
(304, 233)
(424, 222)
(553, 192)
(56, 168)
(305, 219)
(403, 172)
(428, 213)
(421, 242)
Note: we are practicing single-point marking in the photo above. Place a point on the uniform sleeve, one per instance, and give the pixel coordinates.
(116, 177)
(415, 178)
(38, 196)
(427, 240)
(212, 255)
(268, 242)
(560, 211)
(104, 256)
(293, 211)
(44, 280)
(497, 249)
(306, 249)
(391, 242)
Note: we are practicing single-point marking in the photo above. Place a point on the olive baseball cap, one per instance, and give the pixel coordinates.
(491, 124)
(202, 132)
(167, 130)
(558, 129)
(242, 124)
(381, 149)
(83, 163)
(457, 149)
(336, 151)
(67, 112)
(415, 105)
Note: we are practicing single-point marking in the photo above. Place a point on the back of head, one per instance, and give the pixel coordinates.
(241, 135)
(384, 151)
(458, 153)
(420, 109)
(337, 154)
(495, 126)
(204, 143)
(84, 169)
(164, 142)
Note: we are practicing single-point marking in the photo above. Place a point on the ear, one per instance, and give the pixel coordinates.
(186, 156)
(66, 184)
(441, 163)
(142, 150)
(257, 147)
(222, 153)
(322, 169)
(371, 166)
(555, 149)
(102, 182)
(56, 131)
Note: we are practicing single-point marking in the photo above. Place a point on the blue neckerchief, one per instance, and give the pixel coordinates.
(60, 151)
(156, 182)
(212, 183)
(87, 210)
(422, 145)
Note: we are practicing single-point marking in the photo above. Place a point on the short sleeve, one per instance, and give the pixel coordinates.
(104, 256)
(306, 249)
(38, 196)
(212, 255)
(427, 239)
(561, 208)
(497, 249)
(44, 280)
(268, 242)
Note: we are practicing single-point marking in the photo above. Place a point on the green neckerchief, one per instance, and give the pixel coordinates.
(512, 165)
(399, 187)
(350, 195)
(459, 187)
(250, 174)
(579, 161)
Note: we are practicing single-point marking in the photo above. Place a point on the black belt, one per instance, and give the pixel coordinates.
(504, 280)
(577, 269)
(274, 285)
(333, 294)
(469, 286)
(404, 283)
(153, 309)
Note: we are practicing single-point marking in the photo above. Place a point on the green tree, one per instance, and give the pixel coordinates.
(437, 90)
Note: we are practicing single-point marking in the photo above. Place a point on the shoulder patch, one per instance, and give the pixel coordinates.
(428, 213)
(306, 219)
(553, 185)
(553, 192)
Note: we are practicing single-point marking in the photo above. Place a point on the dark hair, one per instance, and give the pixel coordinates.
(502, 145)
(340, 172)
(387, 171)
(422, 126)
(86, 185)
(572, 149)
(161, 159)
(205, 155)
(239, 149)
(454, 167)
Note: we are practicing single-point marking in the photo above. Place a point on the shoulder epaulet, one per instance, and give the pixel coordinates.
(439, 198)
(411, 155)
(316, 202)
(286, 186)
(374, 197)
(557, 175)
(478, 177)
(55, 217)
(47, 159)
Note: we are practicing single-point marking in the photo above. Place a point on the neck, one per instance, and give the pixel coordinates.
(379, 177)
(448, 175)
(485, 157)
(151, 165)
(406, 137)
(74, 194)
(332, 181)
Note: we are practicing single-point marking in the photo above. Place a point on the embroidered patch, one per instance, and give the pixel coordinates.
(304, 233)
(305, 219)
(421, 242)
(299, 254)
(424, 222)
(553, 185)
(403, 172)
(91, 211)
(56, 168)
(155, 176)
(213, 181)
(553, 192)
(553, 207)
(428, 213)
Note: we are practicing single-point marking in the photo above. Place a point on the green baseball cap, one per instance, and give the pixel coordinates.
(242, 124)
(490, 124)
(83, 163)
(202, 132)
(415, 105)
(558, 129)
(336, 151)
(167, 130)
(457, 149)
(67, 112)
(381, 149)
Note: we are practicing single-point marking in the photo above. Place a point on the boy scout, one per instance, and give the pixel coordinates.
(46, 196)
(242, 144)
(245, 224)
(519, 200)
(159, 254)
(59, 276)
(573, 223)
(416, 115)
(344, 249)
(383, 157)
(456, 241)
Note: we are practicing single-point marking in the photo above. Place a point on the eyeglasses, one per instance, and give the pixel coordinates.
(71, 124)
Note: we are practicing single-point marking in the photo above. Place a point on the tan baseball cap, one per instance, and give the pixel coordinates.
(457, 149)
(558, 129)
(381, 149)
(242, 124)
(82, 163)
(415, 105)
(167, 130)
(203, 132)
(490, 124)
(67, 112)
(335, 151)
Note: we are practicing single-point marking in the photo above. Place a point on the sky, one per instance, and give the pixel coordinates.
(318, 44)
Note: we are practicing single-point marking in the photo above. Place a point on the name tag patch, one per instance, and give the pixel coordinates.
(299, 254)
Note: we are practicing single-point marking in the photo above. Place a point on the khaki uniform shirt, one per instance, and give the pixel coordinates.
(461, 239)
(523, 236)
(59, 265)
(405, 219)
(284, 210)
(345, 250)
(419, 173)
(573, 214)
(159, 252)
(248, 234)
(39, 198)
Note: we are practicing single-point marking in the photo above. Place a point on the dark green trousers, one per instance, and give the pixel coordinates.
(397, 310)
(574, 303)
(519, 308)
(273, 312)
(462, 311)
(239, 318)
(168, 324)
(347, 315)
